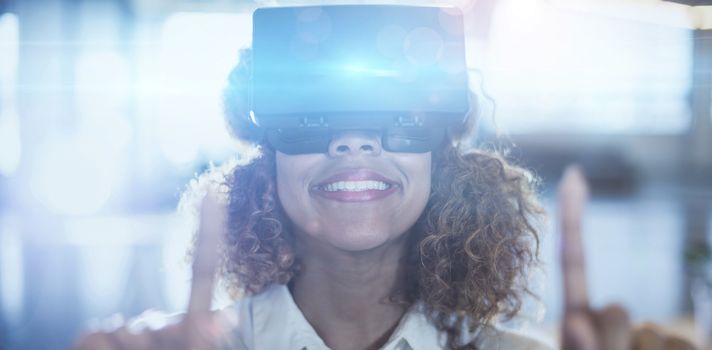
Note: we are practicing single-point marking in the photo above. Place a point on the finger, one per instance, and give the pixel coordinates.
(132, 340)
(614, 328)
(675, 343)
(573, 193)
(96, 341)
(205, 331)
(205, 258)
(648, 337)
(196, 331)
(176, 336)
(578, 332)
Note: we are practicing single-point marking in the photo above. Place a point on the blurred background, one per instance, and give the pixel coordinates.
(108, 108)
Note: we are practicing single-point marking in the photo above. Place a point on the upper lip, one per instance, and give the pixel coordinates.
(360, 174)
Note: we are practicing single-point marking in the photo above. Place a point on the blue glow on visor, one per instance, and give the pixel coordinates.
(341, 61)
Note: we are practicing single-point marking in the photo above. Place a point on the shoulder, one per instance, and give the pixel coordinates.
(500, 338)
(421, 333)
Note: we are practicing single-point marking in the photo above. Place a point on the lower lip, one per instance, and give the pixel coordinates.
(356, 196)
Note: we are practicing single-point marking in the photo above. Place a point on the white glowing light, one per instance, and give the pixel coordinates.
(545, 65)
(178, 136)
(104, 271)
(376, 72)
(523, 12)
(9, 45)
(199, 49)
(106, 245)
(95, 155)
(10, 146)
(465, 6)
(11, 270)
(75, 176)
(196, 57)
(10, 149)
(102, 81)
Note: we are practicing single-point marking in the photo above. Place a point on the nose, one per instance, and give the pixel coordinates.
(361, 142)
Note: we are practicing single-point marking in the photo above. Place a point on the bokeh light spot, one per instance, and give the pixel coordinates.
(423, 46)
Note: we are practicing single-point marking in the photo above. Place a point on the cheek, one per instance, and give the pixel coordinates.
(293, 191)
(288, 186)
(347, 226)
(420, 181)
(425, 170)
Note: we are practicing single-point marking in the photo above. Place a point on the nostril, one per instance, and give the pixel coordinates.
(367, 148)
(342, 148)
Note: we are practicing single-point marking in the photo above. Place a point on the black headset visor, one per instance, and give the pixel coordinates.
(409, 140)
(397, 69)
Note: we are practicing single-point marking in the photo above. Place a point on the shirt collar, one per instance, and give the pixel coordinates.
(417, 331)
(279, 324)
(275, 309)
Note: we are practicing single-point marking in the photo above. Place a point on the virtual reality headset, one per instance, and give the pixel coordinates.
(319, 70)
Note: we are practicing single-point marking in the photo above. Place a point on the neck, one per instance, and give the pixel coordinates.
(345, 295)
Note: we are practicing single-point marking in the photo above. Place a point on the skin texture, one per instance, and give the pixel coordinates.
(353, 226)
(351, 250)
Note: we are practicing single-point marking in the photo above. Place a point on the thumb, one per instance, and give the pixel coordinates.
(614, 328)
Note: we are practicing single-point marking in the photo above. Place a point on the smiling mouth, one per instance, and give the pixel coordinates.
(355, 186)
(355, 190)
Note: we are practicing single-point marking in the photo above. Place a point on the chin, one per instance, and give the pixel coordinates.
(358, 240)
(358, 246)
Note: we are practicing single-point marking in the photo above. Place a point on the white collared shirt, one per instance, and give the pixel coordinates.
(272, 320)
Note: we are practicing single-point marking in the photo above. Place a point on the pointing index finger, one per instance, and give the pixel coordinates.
(573, 194)
(205, 256)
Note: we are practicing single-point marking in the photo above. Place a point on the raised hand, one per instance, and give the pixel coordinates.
(199, 328)
(584, 328)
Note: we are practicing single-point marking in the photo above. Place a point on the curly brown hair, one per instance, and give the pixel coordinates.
(468, 254)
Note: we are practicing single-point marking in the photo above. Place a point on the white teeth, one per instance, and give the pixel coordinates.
(355, 186)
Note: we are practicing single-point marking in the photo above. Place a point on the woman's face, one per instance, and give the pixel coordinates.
(356, 196)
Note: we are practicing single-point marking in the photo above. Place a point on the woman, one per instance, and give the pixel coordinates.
(356, 246)
(446, 234)
(367, 243)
